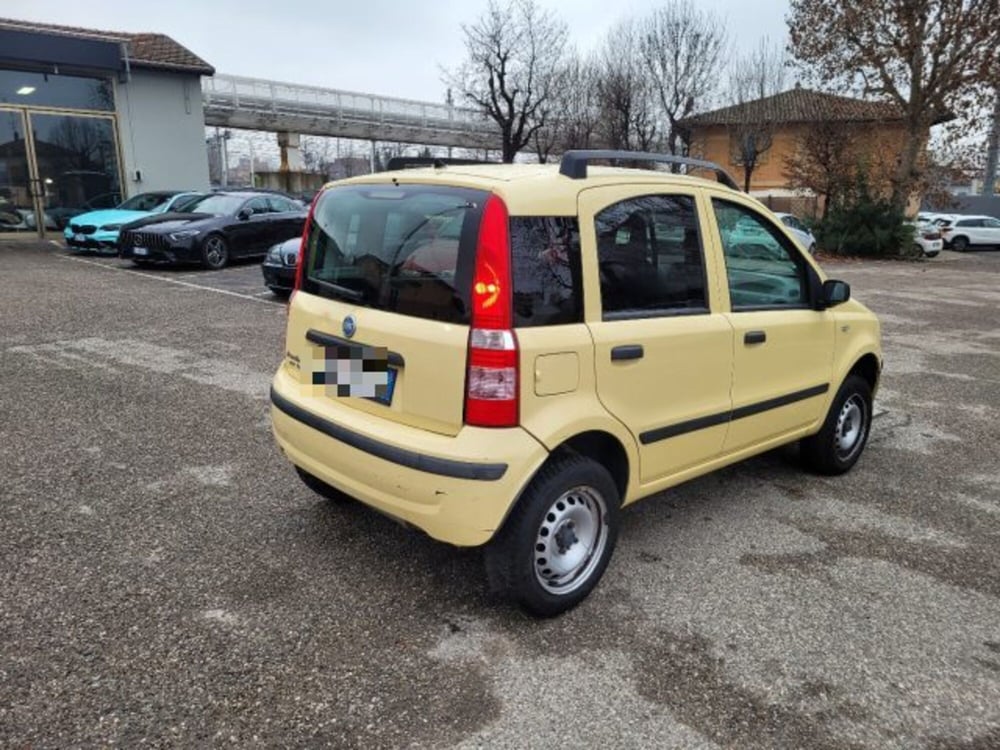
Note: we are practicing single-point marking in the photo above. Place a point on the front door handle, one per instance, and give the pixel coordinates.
(754, 337)
(626, 351)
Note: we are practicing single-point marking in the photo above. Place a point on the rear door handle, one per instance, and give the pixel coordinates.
(754, 337)
(626, 351)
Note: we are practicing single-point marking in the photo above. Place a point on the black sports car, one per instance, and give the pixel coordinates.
(214, 229)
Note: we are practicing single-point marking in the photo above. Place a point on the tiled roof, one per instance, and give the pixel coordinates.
(145, 50)
(799, 105)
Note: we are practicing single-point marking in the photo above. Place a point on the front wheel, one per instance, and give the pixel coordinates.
(839, 443)
(215, 252)
(558, 539)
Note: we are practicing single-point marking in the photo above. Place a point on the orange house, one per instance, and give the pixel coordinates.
(780, 125)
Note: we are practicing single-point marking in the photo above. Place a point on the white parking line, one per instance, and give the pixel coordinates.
(147, 275)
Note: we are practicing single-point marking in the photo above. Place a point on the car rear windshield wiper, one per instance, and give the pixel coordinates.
(343, 291)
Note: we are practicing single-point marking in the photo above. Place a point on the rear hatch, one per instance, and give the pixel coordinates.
(385, 278)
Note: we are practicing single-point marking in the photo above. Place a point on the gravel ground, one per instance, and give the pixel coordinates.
(166, 580)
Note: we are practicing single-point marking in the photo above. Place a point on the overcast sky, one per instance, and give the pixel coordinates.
(389, 47)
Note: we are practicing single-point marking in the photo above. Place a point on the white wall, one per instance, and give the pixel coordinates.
(162, 132)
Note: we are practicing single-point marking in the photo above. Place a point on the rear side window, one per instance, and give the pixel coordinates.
(650, 258)
(408, 249)
(545, 251)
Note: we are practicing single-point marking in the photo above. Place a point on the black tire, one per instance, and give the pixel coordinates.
(277, 291)
(960, 244)
(833, 450)
(320, 487)
(569, 496)
(214, 252)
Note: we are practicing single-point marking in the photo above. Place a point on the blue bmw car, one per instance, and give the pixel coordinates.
(98, 230)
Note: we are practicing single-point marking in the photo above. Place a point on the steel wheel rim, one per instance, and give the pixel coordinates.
(852, 424)
(570, 540)
(214, 251)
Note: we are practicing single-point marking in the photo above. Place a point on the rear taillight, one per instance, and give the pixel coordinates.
(301, 263)
(492, 381)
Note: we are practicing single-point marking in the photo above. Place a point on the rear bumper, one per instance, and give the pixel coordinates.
(456, 489)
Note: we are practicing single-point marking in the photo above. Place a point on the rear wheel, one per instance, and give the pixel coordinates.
(839, 443)
(960, 244)
(215, 252)
(558, 540)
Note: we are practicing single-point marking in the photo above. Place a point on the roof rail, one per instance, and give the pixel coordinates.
(414, 162)
(574, 163)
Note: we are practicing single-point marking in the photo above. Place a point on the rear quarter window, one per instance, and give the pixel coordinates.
(545, 253)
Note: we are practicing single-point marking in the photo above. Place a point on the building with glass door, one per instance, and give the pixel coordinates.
(89, 118)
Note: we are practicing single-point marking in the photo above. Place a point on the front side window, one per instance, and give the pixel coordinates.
(257, 206)
(146, 202)
(217, 204)
(763, 268)
(650, 257)
(280, 204)
(991, 223)
(791, 221)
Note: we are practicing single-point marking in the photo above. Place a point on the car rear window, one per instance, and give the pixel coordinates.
(408, 249)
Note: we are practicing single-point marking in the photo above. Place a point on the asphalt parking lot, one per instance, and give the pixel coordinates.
(166, 580)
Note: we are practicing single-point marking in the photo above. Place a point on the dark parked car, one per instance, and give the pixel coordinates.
(213, 230)
(279, 266)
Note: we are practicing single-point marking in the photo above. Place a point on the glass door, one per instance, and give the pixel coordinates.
(18, 212)
(76, 163)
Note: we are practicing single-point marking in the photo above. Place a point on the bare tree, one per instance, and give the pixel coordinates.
(821, 162)
(830, 154)
(927, 56)
(573, 114)
(513, 53)
(627, 101)
(683, 48)
(992, 147)
(759, 75)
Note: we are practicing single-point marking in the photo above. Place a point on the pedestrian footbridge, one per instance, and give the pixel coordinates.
(255, 104)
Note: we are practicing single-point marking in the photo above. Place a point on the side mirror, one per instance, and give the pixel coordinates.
(835, 292)
(244, 214)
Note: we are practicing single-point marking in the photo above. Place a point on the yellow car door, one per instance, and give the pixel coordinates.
(662, 343)
(783, 347)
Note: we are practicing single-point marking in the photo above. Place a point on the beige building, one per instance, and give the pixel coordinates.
(877, 131)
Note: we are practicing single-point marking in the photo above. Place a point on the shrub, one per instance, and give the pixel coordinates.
(863, 224)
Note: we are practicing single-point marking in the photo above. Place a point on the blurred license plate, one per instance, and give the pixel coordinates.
(140, 251)
(80, 237)
(353, 370)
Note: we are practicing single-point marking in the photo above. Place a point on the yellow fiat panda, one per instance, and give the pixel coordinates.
(506, 355)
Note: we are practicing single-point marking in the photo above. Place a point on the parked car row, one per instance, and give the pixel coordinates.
(209, 228)
(961, 232)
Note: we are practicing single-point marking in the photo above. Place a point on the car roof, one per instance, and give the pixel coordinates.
(535, 189)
